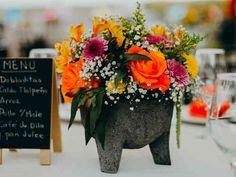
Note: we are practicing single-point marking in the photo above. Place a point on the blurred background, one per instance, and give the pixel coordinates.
(28, 24)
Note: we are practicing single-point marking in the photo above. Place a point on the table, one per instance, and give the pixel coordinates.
(196, 158)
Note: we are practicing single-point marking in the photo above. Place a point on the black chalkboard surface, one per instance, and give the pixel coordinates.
(25, 102)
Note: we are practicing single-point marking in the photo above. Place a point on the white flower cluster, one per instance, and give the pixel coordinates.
(78, 49)
(194, 86)
(176, 93)
(134, 94)
(106, 72)
(98, 68)
(135, 31)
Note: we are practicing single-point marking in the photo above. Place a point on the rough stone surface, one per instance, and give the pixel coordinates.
(149, 124)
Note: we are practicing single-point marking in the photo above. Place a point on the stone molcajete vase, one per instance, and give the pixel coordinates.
(148, 124)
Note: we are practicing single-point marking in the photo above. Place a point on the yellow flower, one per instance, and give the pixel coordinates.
(76, 32)
(64, 55)
(179, 32)
(158, 30)
(61, 63)
(63, 48)
(116, 31)
(191, 65)
(100, 25)
(111, 87)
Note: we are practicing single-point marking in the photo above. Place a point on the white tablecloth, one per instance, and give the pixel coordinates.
(196, 158)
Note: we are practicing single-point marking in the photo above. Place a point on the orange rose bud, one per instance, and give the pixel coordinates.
(149, 74)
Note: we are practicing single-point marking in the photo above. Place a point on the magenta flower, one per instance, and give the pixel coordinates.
(152, 39)
(177, 73)
(95, 47)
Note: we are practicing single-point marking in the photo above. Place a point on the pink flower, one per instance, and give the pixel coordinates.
(152, 39)
(95, 47)
(177, 73)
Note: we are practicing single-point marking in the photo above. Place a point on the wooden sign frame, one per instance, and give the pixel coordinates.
(55, 130)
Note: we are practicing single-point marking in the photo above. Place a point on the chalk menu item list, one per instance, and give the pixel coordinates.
(25, 103)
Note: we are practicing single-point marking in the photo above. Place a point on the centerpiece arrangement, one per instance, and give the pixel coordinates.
(126, 79)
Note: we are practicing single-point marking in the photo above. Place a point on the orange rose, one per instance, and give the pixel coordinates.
(72, 82)
(149, 74)
(71, 79)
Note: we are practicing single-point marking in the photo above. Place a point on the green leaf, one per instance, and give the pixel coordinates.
(96, 111)
(101, 131)
(119, 76)
(135, 57)
(82, 101)
(93, 101)
(74, 108)
(88, 135)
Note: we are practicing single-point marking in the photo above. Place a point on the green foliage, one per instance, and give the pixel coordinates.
(74, 106)
(178, 117)
(188, 43)
(135, 27)
(129, 57)
(120, 74)
(95, 97)
(95, 110)
(101, 129)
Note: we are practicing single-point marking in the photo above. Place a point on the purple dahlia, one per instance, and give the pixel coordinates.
(177, 73)
(152, 39)
(95, 47)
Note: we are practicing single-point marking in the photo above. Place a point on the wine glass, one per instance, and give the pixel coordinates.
(211, 61)
(222, 117)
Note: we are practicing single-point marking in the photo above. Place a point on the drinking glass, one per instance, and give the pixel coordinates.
(222, 117)
(211, 62)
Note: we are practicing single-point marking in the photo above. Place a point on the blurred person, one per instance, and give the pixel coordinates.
(37, 43)
(227, 34)
(3, 46)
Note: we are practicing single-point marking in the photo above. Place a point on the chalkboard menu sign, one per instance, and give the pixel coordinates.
(25, 103)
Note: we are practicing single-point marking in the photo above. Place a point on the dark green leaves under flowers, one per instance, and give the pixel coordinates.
(95, 96)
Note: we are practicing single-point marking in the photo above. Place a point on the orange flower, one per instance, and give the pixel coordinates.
(149, 74)
(72, 82)
(76, 32)
(71, 79)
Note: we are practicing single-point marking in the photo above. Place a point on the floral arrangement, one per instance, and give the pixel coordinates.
(121, 59)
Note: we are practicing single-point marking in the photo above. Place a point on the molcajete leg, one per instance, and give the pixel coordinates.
(160, 149)
(109, 157)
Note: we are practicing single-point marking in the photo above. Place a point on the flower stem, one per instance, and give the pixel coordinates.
(178, 114)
